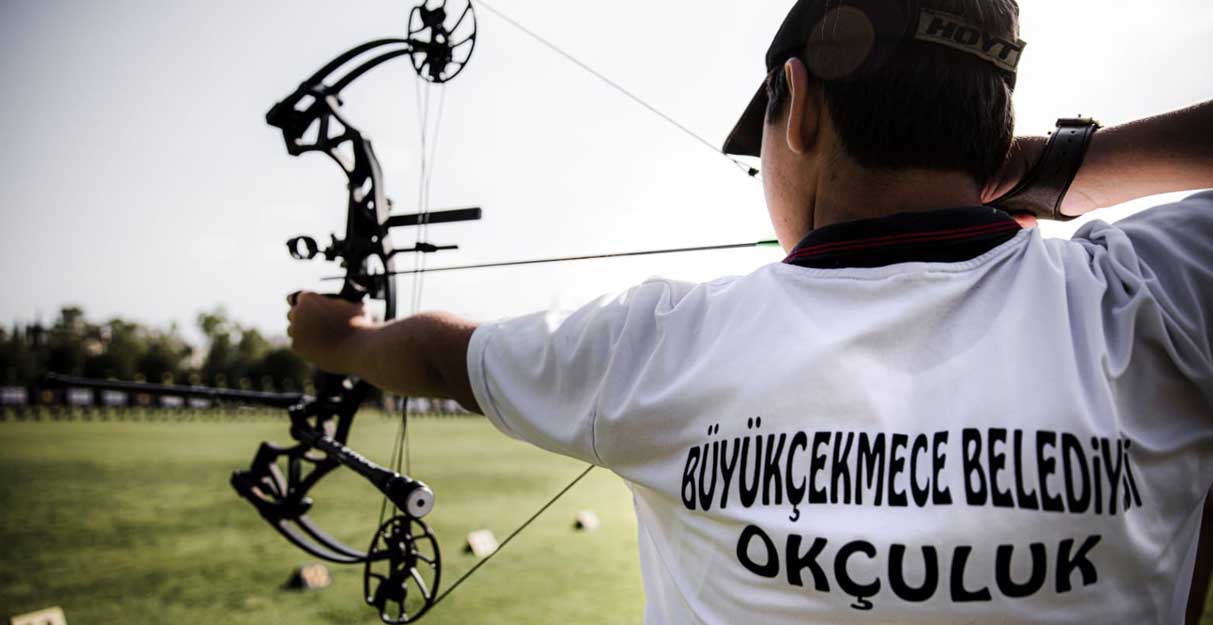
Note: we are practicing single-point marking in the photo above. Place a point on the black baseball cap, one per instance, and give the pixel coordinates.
(850, 39)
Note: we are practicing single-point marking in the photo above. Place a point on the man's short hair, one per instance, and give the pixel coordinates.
(928, 107)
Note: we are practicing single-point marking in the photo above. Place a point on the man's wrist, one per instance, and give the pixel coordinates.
(424, 354)
(351, 355)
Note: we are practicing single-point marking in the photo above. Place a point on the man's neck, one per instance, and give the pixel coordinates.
(847, 193)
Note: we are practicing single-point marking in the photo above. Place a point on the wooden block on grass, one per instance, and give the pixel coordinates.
(49, 616)
(310, 577)
(481, 543)
(586, 520)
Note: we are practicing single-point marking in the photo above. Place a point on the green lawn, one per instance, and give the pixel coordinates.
(135, 523)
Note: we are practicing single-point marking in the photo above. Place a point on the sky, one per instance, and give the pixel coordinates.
(141, 181)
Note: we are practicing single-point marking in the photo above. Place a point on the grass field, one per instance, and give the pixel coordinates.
(134, 523)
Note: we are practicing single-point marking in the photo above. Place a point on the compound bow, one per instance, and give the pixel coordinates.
(402, 564)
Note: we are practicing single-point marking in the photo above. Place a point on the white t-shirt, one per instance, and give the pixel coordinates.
(1025, 437)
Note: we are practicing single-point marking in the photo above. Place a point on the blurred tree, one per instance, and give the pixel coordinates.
(118, 346)
(250, 352)
(19, 362)
(10, 355)
(165, 357)
(67, 343)
(221, 352)
(127, 350)
(286, 369)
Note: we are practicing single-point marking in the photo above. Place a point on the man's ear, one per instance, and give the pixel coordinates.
(804, 107)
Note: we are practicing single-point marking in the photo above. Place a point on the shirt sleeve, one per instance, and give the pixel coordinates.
(542, 379)
(1169, 254)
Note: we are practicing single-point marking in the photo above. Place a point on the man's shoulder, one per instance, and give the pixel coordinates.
(1191, 214)
(1153, 276)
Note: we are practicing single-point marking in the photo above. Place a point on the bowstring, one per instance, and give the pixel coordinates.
(424, 91)
(401, 459)
(423, 112)
(694, 136)
(429, 133)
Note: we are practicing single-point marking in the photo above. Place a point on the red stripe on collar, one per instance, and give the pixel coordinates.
(949, 235)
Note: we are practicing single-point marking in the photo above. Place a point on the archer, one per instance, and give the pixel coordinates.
(908, 305)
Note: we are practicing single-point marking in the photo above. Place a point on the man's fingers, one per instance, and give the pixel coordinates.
(316, 324)
(1025, 220)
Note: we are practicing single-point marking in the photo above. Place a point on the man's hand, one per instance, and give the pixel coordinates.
(321, 329)
(1025, 152)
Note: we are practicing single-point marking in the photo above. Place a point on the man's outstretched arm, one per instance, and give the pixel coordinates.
(423, 355)
(1168, 152)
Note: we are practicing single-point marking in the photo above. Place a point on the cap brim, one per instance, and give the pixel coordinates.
(746, 138)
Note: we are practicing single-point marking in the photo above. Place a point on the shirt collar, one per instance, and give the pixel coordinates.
(940, 236)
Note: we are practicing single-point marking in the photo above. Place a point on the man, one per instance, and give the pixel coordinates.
(927, 413)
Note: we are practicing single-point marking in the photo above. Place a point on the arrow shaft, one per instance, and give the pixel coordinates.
(566, 259)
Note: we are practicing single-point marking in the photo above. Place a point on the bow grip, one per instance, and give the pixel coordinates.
(331, 385)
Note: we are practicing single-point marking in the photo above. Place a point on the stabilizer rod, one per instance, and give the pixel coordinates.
(260, 398)
(412, 496)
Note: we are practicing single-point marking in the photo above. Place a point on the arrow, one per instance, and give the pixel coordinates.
(565, 259)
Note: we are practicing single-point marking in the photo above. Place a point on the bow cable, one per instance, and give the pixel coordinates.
(514, 533)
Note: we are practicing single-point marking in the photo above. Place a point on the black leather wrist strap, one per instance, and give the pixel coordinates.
(1042, 190)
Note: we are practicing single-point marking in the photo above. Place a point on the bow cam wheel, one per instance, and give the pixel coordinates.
(444, 34)
(402, 570)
